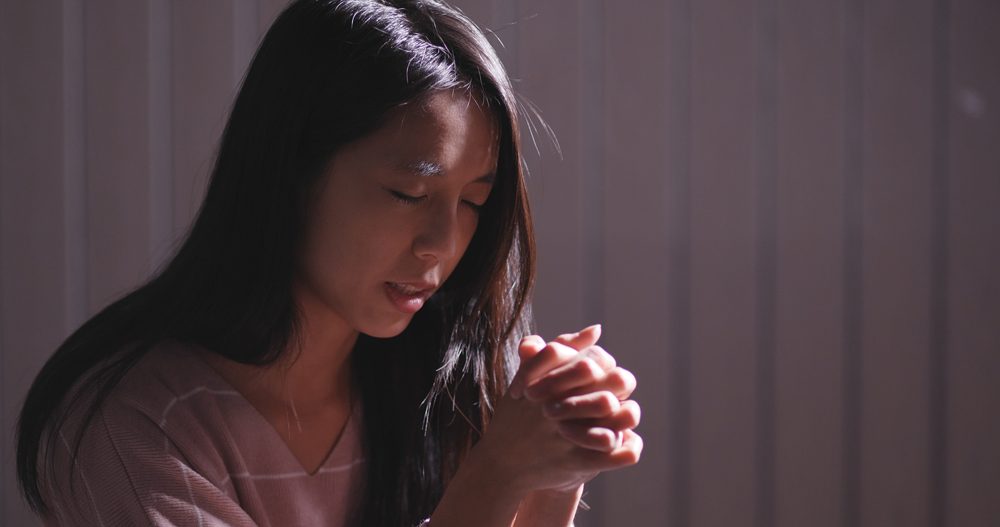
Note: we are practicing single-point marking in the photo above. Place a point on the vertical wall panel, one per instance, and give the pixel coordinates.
(550, 69)
(765, 64)
(483, 13)
(723, 292)
(677, 200)
(973, 397)
(809, 263)
(589, 152)
(161, 202)
(549, 80)
(204, 82)
(635, 241)
(118, 148)
(897, 208)
(75, 167)
(504, 18)
(853, 230)
(32, 242)
(267, 11)
(246, 35)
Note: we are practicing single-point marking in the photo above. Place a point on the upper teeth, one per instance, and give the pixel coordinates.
(405, 289)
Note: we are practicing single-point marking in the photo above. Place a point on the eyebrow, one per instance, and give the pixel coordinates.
(424, 169)
(427, 168)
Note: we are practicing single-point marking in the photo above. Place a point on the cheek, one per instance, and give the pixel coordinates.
(347, 246)
(466, 231)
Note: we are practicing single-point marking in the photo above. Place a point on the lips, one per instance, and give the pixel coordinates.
(406, 289)
(408, 297)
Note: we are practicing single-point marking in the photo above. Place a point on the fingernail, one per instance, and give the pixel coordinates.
(533, 340)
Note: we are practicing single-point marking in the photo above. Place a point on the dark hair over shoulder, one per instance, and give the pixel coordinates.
(328, 72)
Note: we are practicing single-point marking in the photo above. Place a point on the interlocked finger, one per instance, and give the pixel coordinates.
(586, 337)
(588, 406)
(550, 357)
(577, 375)
(618, 381)
(626, 453)
(591, 437)
(603, 359)
(625, 418)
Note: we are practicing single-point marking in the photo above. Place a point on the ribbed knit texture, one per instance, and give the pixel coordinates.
(175, 444)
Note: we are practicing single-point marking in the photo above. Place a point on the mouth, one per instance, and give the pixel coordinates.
(409, 297)
(406, 289)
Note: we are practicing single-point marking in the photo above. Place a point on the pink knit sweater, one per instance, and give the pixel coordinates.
(175, 444)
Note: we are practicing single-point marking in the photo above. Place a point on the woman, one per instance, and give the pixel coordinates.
(333, 342)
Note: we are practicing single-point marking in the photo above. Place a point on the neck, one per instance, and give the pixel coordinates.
(319, 373)
(312, 376)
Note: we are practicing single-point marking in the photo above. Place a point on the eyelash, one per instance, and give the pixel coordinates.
(478, 209)
(413, 200)
(405, 198)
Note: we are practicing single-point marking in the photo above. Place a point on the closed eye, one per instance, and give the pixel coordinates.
(477, 208)
(405, 198)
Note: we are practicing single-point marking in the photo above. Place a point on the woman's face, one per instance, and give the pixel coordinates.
(395, 213)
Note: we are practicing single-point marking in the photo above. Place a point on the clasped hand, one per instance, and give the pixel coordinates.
(566, 416)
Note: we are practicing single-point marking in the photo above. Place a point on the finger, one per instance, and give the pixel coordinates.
(627, 453)
(551, 356)
(591, 437)
(618, 381)
(529, 347)
(561, 380)
(621, 382)
(604, 359)
(630, 451)
(587, 336)
(588, 406)
(626, 417)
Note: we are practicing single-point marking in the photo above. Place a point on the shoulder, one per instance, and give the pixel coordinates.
(174, 399)
(170, 373)
(166, 403)
(144, 452)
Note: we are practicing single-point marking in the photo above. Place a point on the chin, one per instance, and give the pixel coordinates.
(388, 330)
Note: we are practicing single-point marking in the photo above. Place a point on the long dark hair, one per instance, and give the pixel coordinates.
(328, 72)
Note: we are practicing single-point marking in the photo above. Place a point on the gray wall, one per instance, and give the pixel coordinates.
(786, 213)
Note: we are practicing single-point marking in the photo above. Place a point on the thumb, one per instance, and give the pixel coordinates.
(529, 347)
(585, 338)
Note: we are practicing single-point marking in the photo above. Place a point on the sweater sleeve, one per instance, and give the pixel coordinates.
(128, 472)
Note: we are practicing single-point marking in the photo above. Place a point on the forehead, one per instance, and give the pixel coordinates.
(442, 126)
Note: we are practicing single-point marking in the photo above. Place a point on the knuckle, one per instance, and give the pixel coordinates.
(607, 401)
(622, 379)
(632, 419)
(616, 379)
(544, 358)
(633, 409)
(562, 351)
(579, 369)
(589, 366)
(628, 377)
(605, 357)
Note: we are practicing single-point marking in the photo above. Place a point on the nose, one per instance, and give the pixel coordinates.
(437, 235)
